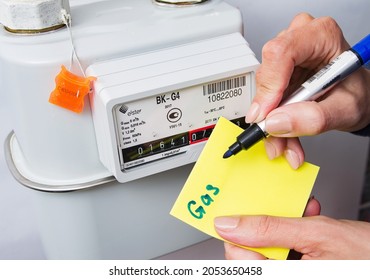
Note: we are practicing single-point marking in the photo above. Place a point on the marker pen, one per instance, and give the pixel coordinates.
(341, 67)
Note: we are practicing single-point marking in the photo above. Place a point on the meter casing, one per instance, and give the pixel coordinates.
(163, 104)
(55, 151)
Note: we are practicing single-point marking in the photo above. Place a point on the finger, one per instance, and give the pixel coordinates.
(275, 146)
(233, 252)
(294, 153)
(300, 20)
(269, 231)
(291, 148)
(299, 119)
(313, 208)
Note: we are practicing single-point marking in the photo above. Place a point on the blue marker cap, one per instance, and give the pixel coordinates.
(362, 48)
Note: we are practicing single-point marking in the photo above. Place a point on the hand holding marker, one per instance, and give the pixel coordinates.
(341, 67)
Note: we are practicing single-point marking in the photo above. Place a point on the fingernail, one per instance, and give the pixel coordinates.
(278, 123)
(252, 113)
(226, 223)
(293, 158)
(270, 149)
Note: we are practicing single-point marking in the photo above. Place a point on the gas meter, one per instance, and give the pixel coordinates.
(162, 73)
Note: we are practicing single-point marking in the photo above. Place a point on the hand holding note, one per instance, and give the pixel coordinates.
(246, 184)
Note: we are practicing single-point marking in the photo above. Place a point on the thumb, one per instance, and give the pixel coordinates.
(266, 231)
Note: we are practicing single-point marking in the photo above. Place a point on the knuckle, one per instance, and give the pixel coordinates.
(317, 120)
(303, 17)
(321, 123)
(275, 49)
(329, 23)
(265, 83)
(330, 29)
(267, 225)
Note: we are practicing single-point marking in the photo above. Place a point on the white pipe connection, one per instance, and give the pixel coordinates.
(32, 16)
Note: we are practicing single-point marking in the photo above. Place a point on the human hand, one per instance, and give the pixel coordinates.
(287, 61)
(315, 237)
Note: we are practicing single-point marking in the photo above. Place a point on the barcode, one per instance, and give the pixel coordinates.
(320, 73)
(224, 85)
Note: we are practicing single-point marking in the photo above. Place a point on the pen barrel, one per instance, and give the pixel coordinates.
(251, 136)
(326, 78)
(362, 49)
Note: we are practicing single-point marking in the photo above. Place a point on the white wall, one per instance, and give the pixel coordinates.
(342, 156)
(264, 19)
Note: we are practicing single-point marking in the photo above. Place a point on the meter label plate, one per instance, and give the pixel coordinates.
(168, 124)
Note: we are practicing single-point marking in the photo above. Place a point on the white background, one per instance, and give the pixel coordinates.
(342, 156)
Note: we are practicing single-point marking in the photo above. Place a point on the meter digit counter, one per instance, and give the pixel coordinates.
(158, 116)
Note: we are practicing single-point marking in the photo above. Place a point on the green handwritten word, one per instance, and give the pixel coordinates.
(198, 211)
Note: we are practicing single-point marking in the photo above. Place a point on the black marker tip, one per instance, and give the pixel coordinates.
(228, 154)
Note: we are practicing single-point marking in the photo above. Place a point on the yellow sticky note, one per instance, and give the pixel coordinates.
(246, 184)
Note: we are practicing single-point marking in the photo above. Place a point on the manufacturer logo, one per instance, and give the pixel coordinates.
(174, 115)
(123, 109)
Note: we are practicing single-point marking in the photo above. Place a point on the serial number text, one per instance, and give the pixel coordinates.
(224, 95)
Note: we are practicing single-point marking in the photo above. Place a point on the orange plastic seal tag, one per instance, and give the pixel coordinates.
(70, 90)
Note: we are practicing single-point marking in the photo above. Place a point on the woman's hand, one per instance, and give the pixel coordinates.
(315, 237)
(287, 61)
